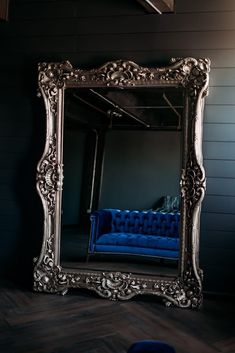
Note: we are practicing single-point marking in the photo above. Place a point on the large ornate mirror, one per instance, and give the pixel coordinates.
(121, 180)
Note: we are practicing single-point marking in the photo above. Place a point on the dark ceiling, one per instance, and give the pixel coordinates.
(139, 108)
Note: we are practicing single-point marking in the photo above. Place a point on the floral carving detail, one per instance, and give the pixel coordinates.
(184, 293)
(115, 285)
(173, 293)
(193, 286)
(45, 274)
(53, 280)
(186, 72)
(189, 72)
(193, 183)
(49, 277)
(52, 77)
(122, 73)
(198, 78)
(194, 72)
(50, 176)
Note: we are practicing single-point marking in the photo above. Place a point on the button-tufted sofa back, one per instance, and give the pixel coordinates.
(145, 222)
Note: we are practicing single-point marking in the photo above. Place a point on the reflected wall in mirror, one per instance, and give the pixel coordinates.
(123, 217)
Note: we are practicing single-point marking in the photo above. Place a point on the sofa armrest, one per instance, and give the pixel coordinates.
(100, 224)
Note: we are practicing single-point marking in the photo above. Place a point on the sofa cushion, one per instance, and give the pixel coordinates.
(139, 240)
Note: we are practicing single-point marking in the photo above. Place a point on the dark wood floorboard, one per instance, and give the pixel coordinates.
(81, 322)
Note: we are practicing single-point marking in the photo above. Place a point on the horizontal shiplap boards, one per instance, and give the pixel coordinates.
(191, 6)
(39, 44)
(219, 204)
(14, 144)
(221, 95)
(219, 150)
(174, 40)
(8, 207)
(10, 84)
(7, 193)
(217, 239)
(10, 176)
(9, 238)
(120, 42)
(212, 256)
(222, 77)
(9, 221)
(218, 221)
(217, 279)
(220, 168)
(12, 160)
(219, 132)
(224, 114)
(30, 9)
(58, 9)
(14, 128)
(220, 186)
(129, 24)
(219, 59)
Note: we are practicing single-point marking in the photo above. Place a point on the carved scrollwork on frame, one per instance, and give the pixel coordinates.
(49, 277)
(45, 272)
(198, 78)
(186, 72)
(50, 176)
(51, 78)
(192, 281)
(122, 73)
(189, 72)
(192, 76)
(53, 279)
(115, 285)
(193, 183)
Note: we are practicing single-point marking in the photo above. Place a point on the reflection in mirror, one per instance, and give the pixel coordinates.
(122, 167)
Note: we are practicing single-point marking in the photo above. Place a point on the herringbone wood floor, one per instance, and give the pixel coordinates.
(81, 322)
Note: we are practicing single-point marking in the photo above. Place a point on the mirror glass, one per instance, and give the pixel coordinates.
(122, 151)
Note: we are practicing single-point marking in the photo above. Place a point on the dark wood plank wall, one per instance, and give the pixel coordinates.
(89, 33)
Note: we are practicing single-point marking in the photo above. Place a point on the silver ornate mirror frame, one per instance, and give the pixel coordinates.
(192, 75)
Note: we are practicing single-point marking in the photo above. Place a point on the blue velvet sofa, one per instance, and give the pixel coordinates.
(149, 233)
